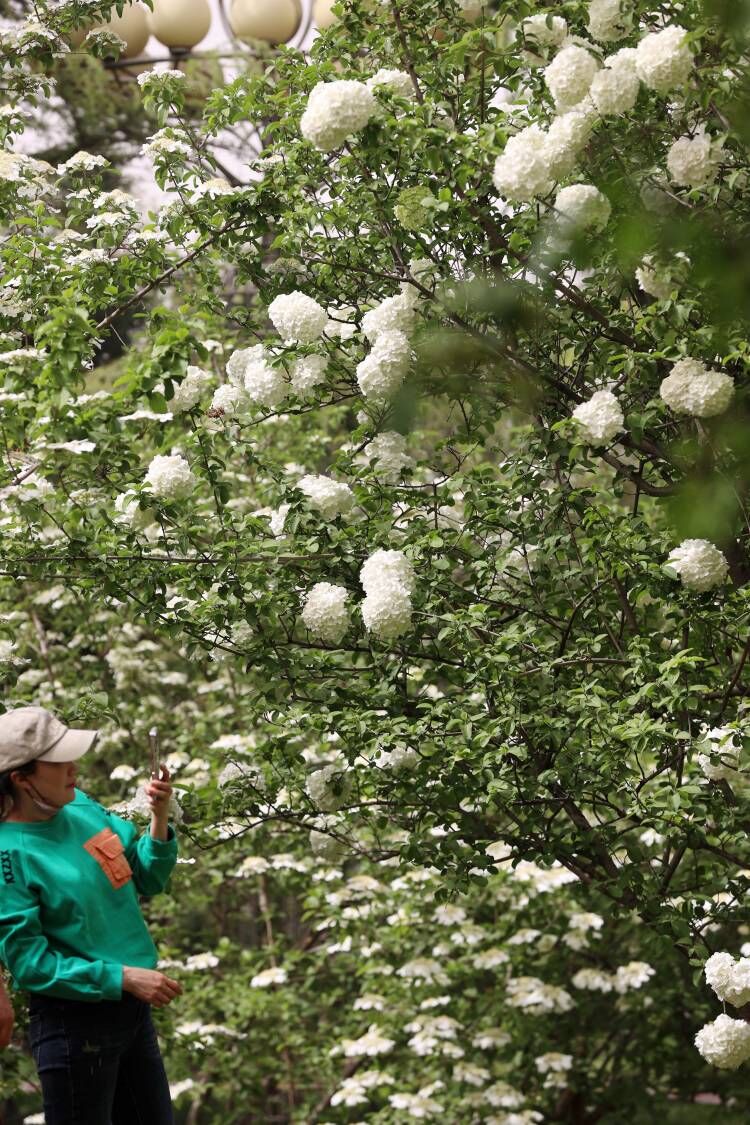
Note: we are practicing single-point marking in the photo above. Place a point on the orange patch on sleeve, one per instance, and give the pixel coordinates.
(107, 849)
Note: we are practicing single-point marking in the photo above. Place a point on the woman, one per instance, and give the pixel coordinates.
(71, 929)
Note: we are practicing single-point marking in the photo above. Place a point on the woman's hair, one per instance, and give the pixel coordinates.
(6, 786)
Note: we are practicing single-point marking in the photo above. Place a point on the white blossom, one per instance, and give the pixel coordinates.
(249, 370)
(566, 136)
(700, 565)
(725, 1043)
(308, 372)
(392, 314)
(720, 758)
(268, 977)
(536, 997)
(382, 372)
(653, 281)
(325, 613)
(615, 87)
(581, 207)
(329, 497)
(278, 519)
(335, 110)
(599, 418)
(544, 30)
(664, 59)
(187, 394)
(570, 74)
(593, 980)
(418, 1105)
(398, 81)
(522, 170)
(297, 318)
(692, 388)
(693, 161)
(609, 20)
(729, 979)
(372, 1043)
(170, 477)
(228, 399)
(388, 450)
(633, 975)
(329, 787)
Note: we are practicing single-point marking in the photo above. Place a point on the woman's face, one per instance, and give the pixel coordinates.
(54, 782)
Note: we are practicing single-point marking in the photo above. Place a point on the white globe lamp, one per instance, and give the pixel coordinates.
(180, 24)
(270, 21)
(323, 14)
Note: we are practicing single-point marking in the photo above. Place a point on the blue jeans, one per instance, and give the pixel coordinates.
(98, 1063)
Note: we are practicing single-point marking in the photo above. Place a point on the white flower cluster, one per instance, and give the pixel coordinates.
(399, 758)
(188, 393)
(388, 450)
(692, 388)
(609, 20)
(307, 372)
(250, 372)
(600, 418)
(325, 613)
(392, 314)
(632, 975)
(570, 74)
(534, 159)
(615, 87)
(268, 977)
(227, 399)
(693, 161)
(397, 81)
(700, 565)
(170, 477)
(536, 997)
(664, 60)
(544, 30)
(355, 1089)
(298, 318)
(330, 786)
(730, 979)
(656, 282)
(382, 372)
(335, 110)
(581, 207)
(329, 497)
(388, 580)
(725, 1043)
(370, 1044)
(720, 758)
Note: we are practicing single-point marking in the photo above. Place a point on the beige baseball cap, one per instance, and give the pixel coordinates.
(30, 734)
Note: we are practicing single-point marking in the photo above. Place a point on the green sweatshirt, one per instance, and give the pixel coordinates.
(69, 911)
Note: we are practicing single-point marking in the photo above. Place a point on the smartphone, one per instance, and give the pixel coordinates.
(153, 740)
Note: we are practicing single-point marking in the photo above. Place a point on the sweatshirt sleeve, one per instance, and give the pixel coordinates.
(33, 964)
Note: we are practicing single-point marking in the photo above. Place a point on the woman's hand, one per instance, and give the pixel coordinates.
(6, 1017)
(158, 791)
(150, 985)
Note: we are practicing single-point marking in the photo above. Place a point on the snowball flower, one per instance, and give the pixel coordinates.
(388, 570)
(720, 760)
(691, 388)
(382, 372)
(297, 318)
(269, 977)
(664, 60)
(600, 418)
(566, 136)
(330, 497)
(729, 979)
(189, 391)
(570, 74)
(608, 20)
(335, 110)
(227, 399)
(394, 313)
(522, 170)
(700, 565)
(653, 282)
(329, 787)
(388, 450)
(692, 161)
(397, 81)
(615, 87)
(307, 372)
(725, 1043)
(581, 207)
(325, 613)
(249, 370)
(170, 478)
(387, 614)
(547, 31)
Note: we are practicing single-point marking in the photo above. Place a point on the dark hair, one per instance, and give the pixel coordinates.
(6, 785)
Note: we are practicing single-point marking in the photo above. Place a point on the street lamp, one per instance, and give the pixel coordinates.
(272, 21)
(180, 24)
